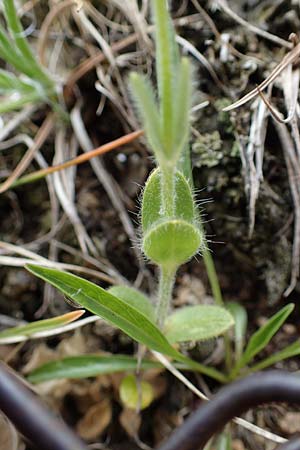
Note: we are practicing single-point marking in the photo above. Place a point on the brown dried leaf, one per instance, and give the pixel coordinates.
(41, 355)
(290, 422)
(95, 420)
(9, 439)
(130, 420)
(72, 346)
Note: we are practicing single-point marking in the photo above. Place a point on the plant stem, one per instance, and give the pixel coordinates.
(166, 283)
(217, 294)
(212, 276)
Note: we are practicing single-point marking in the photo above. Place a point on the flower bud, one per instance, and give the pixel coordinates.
(174, 240)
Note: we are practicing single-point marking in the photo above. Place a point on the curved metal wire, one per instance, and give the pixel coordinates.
(32, 418)
(41, 427)
(231, 401)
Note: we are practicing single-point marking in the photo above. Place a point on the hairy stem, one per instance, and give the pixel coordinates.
(166, 283)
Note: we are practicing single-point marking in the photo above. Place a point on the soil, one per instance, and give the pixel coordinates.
(253, 270)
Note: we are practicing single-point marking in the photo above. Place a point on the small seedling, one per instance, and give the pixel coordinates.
(170, 221)
(171, 234)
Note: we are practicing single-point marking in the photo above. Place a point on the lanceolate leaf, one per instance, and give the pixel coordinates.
(100, 302)
(197, 323)
(40, 325)
(239, 314)
(87, 366)
(182, 106)
(262, 337)
(117, 312)
(287, 352)
(145, 99)
(134, 298)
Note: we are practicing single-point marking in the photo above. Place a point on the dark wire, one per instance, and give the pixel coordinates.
(32, 418)
(232, 401)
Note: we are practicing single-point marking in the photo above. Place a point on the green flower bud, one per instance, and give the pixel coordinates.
(169, 242)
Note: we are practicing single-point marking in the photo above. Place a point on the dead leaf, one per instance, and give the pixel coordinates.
(41, 355)
(96, 419)
(290, 422)
(130, 420)
(9, 439)
(72, 346)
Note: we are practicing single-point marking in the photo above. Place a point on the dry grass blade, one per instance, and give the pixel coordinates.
(49, 333)
(64, 184)
(290, 58)
(290, 87)
(105, 179)
(16, 121)
(105, 148)
(30, 257)
(264, 34)
(253, 159)
(45, 28)
(40, 138)
(91, 62)
(293, 167)
(194, 52)
(14, 261)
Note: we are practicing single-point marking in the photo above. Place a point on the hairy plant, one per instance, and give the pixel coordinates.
(33, 84)
(172, 234)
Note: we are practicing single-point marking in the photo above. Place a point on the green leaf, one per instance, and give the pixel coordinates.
(10, 83)
(11, 104)
(166, 56)
(40, 325)
(262, 337)
(29, 64)
(100, 302)
(87, 366)
(117, 312)
(135, 394)
(197, 323)
(287, 352)
(146, 103)
(239, 314)
(16, 30)
(134, 298)
(224, 441)
(182, 105)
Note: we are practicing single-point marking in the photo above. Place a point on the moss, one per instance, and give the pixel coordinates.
(208, 150)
